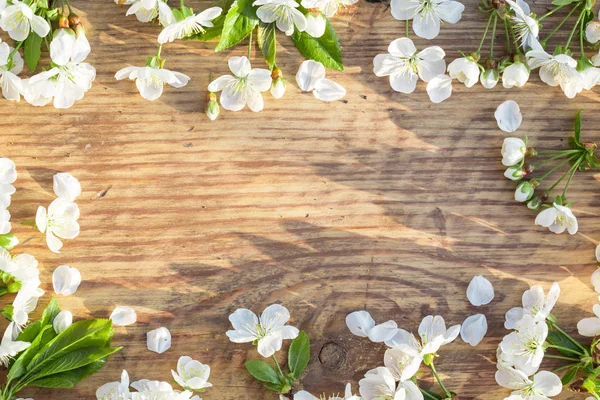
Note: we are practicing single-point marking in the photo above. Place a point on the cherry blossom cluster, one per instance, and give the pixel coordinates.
(517, 154)
(29, 24)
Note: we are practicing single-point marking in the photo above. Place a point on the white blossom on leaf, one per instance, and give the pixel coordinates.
(158, 340)
(316, 23)
(284, 13)
(404, 64)
(19, 20)
(58, 222)
(244, 87)
(62, 321)
(66, 280)
(541, 386)
(535, 304)
(269, 330)
(311, 78)
(558, 218)
(150, 80)
(191, 374)
(189, 26)
(427, 15)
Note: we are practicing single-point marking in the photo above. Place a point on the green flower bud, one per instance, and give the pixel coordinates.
(534, 203)
(8, 241)
(212, 107)
(524, 191)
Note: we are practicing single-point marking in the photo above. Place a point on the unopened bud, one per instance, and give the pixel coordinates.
(530, 151)
(8, 241)
(278, 88)
(534, 203)
(63, 21)
(212, 109)
(514, 173)
(524, 191)
(74, 20)
(489, 78)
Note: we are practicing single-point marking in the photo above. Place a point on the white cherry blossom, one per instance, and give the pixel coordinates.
(304, 395)
(541, 386)
(513, 151)
(311, 78)
(10, 348)
(557, 70)
(284, 13)
(515, 75)
(244, 87)
(189, 26)
(404, 64)
(66, 186)
(489, 78)
(115, 390)
(526, 344)
(427, 15)
(191, 374)
(380, 384)
(269, 330)
(59, 222)
(465, 69)
(149, 10)
(402, 365)
(18, 20)
(558, 218)
(535, 304)
(11, 84)
(150, 80)
(525, 26)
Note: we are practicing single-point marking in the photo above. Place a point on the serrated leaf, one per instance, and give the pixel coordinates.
(76, 359)
(32, 50)
(325, 49)
(262, 371)
(68, 379)
(266, 42)
(558, 339)
(240, 20)
(569, 376)
(299, 354)
(19, 367)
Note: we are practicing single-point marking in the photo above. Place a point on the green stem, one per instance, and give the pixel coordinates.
(555, 168)
(159, 51)
(574, 28)
(437, 377)
(493, 35)
(551, 152)
(551, 346)
(278, 367)
(428, 395)
(561, 23)
(250, 44)
(182, 4)
(564, 367)
(508, 46)
(549, 13)
(581, 39)
(575, 342)
(573, 170)
(487, 27)
(561, 357)
(559, 155)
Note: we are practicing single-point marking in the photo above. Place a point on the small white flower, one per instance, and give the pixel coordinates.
(311, 78)
(427, 15)
(558, 218)
(404, 65)
(11, 84)
(473, 329)
(66, 186)
(465, 70)
(8, 347)
(541, 386)
(590, 77)
(278, 88)
(115, 390)
(592, 31)
(62, 321)
(190, 25)
(439, 88)
(66, 280)
(284, 13)
(150, 80)
(158, 340)
(402, 366)
(244, 87)
(70, 78)
(269, 330)
(480, 291)
(515, 75)
(526, 344)
(18, 20)
(316, 23)
(513, 151)
(557, 70)
(526, 28)
(489, 78)
(361, 322)
(524, 191)
(191, 374)
(508, 116)
(327, 7)
(123, 316)
(380, 384)
(535, 304)
(60, 221)
(148, 10)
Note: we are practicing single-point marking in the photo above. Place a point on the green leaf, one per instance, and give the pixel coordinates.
(262, 371)
(76, 359)
(32, 331)
(325, 49)
(563, 2)
(239, 22)
(33, 50)
(267, 43)
(569, 376)
(274, 387)
(19, 368)
(68, 379)
(299, 354)
(558, 339)
(51, 311)
(81, 334)
(432, 395)
(214, 32)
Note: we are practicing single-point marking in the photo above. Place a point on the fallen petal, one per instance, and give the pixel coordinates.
(158, 340)
(123, 316)
(474, 329)
(508, 115)
(480, 291)
(66, 280)
(360, 323)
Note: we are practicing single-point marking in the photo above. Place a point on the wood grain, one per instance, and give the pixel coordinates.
(383, 201)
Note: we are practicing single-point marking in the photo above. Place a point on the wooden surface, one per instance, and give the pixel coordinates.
(383, 201)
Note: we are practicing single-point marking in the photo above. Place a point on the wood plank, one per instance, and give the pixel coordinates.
(384, 201)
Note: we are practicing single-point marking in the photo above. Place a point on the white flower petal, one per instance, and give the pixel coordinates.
(158, 340)
(480, 291)
(589, 327)
(508, 116)
(439, 88)
(547, 383)
(66, 186)
(308, 74)
(474, 329)
(62, 321)
(383, 332)
(426, 24)
(360, 323)
(66, 280)
(123, 316)
(328, 90)
(240, 66)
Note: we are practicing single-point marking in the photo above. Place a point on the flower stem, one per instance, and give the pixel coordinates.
(508, 46)
(556, 167)
(551, 346)
(159, 51)
(559, 155)
(573, 170)
(551, 152)
(487, 27)
(278, 367)
(549, 13)
(437, 377)
(581, 39)
(561, 23)
(250, 44)
(575, 342)
(574, 28)
(493, 35)
(561, 357)
(428, 395)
